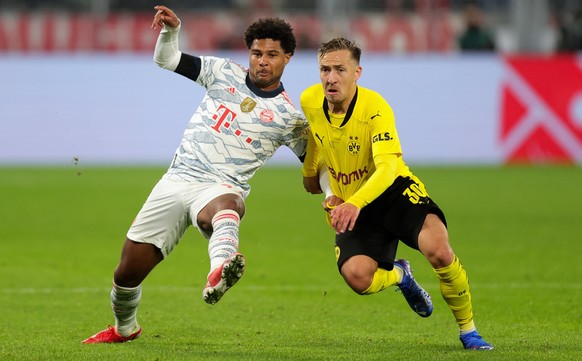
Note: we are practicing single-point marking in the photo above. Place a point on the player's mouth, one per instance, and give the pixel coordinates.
(331, 91)
(263, 74)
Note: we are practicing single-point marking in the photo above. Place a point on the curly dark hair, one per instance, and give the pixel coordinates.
(272, 28)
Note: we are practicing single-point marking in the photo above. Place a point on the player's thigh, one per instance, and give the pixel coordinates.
(163, 218)
(209, 198)
(403, 208)
(367, 240)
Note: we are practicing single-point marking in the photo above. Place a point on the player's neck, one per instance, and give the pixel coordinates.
(341, 108)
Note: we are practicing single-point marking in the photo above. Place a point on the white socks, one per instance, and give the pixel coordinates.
(222, 243)
(224, 239)
(124, 302)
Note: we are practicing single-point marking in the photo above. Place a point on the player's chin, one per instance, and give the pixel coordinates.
(264, 82)
(331, 97)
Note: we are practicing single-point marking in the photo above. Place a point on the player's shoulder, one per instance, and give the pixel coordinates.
(312, 96)
(370, 96)
(372, 102)
(212, 61)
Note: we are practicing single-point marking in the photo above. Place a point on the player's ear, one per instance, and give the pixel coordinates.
(358, 72)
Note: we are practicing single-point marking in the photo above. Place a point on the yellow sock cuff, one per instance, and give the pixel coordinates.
(382, 279)
(451, 270)
(467, 327)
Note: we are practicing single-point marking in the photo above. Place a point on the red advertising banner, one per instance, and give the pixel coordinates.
(541, 119)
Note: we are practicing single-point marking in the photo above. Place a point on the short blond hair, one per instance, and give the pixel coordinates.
(340, 44)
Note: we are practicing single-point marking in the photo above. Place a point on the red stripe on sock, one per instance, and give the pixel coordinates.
(230, 215)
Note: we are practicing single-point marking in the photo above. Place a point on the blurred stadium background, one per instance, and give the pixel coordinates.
(490, 81)
(79, 90)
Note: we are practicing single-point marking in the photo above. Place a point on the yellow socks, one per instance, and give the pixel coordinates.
(454, 285)
(383, 279)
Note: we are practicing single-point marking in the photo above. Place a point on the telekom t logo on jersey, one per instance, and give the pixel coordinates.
(224, 118)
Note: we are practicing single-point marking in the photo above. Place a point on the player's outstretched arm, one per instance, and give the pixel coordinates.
(166, 53)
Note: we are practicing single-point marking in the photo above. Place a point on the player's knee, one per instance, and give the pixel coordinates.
(358, 280)
(205, 225)
(433, 242)
(225, 202)
(137, 260)
(439, 255)
(359, 285)
(232, 202)
(358, 272)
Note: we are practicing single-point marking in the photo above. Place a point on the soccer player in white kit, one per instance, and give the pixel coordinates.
(244, 117)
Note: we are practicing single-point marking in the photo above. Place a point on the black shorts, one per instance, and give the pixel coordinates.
(397, 214)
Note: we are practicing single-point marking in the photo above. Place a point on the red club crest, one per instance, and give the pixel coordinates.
(267, 116)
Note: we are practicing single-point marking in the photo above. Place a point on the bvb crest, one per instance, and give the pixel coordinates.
(353, 146)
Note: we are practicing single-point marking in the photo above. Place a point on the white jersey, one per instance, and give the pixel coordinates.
(235, 131)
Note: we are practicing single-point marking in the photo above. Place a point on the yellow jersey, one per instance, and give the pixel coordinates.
(360, 148)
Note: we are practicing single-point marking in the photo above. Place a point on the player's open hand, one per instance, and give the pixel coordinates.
(343, 217)
(164, 16)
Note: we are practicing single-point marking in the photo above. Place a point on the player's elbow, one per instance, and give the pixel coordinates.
(167, 63)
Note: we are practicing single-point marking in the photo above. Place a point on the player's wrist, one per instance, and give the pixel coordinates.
(356, 203)
(168, 28)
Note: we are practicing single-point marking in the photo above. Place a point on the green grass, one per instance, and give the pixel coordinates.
(518, 231)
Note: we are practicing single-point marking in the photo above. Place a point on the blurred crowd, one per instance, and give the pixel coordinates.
(477, 25)
(227, 5)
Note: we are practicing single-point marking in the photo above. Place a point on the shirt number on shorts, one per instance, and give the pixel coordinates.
(415, 193)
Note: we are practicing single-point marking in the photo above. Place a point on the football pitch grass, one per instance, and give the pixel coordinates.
(517, 230)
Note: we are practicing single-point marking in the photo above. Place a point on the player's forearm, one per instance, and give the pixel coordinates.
(311, 161)
(382, 178)
(324, 182)
(167, 53)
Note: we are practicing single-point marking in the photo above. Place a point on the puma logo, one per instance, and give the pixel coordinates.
(374, 116)
(320, 139)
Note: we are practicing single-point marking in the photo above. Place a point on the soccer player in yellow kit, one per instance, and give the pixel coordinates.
(373, 200)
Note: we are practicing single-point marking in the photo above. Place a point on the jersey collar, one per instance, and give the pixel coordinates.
(262, 93)
(348, 113)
